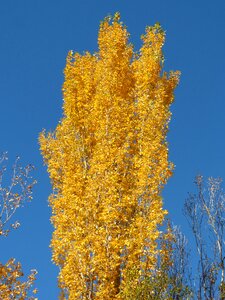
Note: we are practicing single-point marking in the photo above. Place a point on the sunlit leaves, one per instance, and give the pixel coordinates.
(108, 161)
(11, 286)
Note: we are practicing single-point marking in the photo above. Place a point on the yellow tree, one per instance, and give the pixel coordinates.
(108, 162)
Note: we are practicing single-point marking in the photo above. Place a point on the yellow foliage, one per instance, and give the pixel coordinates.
(108, 161)
(11, 286)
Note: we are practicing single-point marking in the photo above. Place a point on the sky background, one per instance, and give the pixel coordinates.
(35, 37)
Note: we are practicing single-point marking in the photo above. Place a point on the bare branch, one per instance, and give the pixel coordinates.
(15, 194)
(205, 212)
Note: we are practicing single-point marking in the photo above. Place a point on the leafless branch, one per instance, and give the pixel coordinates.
(15, 194)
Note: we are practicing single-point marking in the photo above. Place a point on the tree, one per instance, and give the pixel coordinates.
(170, 279)
(205, 212)
(179, 272)
(11, 198)
(108, 162)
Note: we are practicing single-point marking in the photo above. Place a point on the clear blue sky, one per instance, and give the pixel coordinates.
(35, 39)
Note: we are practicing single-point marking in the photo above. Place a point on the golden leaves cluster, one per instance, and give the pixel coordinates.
(108, 161)
(11, 285)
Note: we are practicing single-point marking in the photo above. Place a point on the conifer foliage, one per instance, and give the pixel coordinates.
(108, 162)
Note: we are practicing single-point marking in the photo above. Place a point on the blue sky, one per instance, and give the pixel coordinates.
(35, 39)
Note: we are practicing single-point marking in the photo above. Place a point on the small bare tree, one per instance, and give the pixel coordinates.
(179, 271)
(13, 196)
(205, 212)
